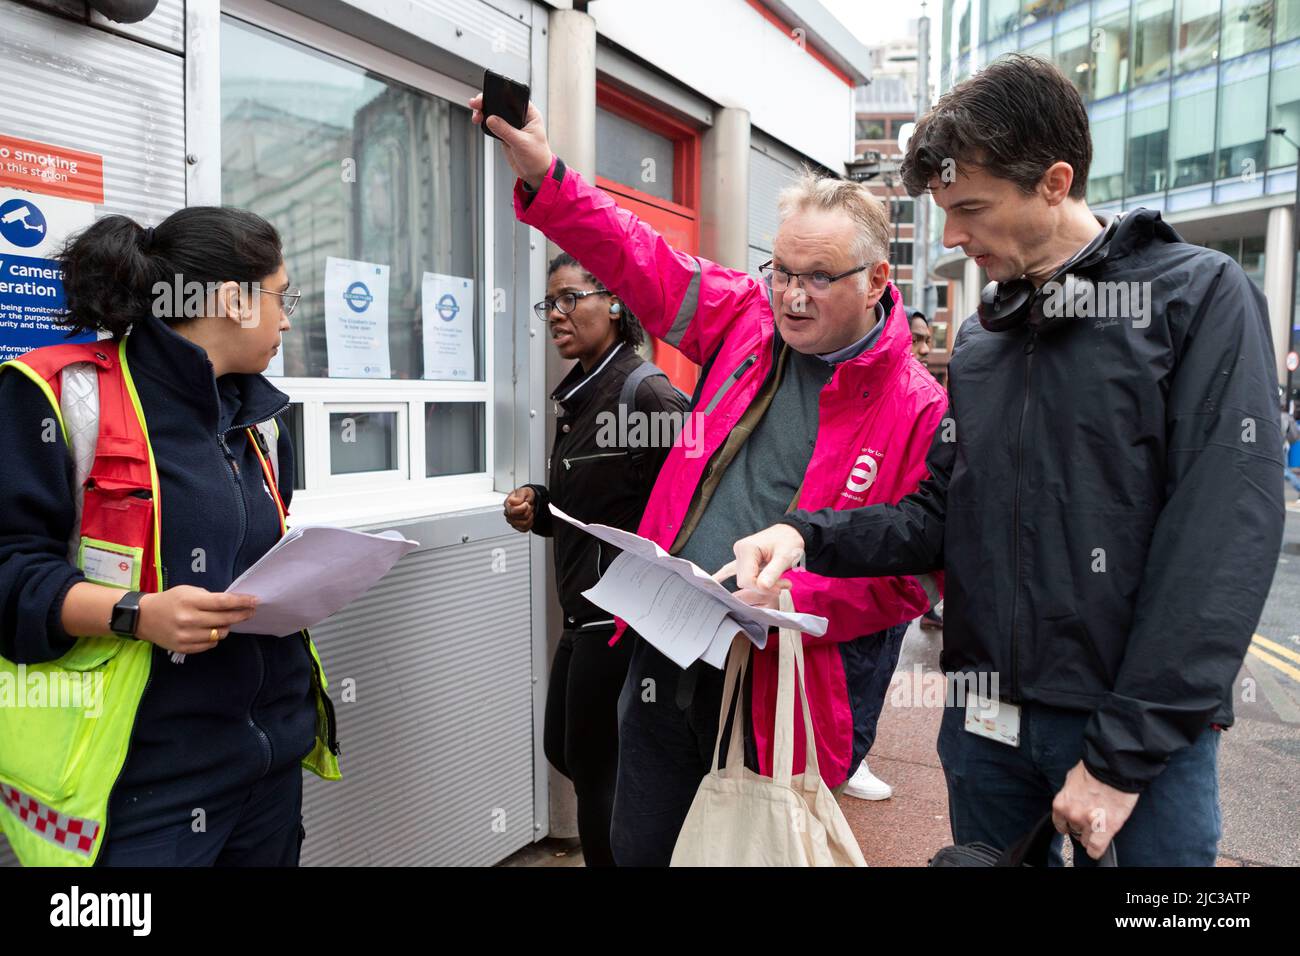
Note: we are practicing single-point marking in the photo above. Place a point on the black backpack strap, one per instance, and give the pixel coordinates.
(634, 379)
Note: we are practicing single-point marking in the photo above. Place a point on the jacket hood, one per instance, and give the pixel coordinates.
(1134, 230)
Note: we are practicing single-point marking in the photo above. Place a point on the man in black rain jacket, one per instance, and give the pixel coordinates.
(1104, 497)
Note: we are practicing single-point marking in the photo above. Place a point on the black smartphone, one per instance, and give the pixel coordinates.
(503, 97)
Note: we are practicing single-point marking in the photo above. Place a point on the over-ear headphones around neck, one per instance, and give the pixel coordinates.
(1008, 305)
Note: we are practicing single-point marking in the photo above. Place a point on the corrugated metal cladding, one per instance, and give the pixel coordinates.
(504, 33)
(767, 177)
(437, 747)
(71, 85)
(165, 27)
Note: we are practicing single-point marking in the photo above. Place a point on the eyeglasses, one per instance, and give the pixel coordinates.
(289, 299)
(564, 303)
(778, 279)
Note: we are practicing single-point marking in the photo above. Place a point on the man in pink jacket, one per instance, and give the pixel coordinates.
(809, 396)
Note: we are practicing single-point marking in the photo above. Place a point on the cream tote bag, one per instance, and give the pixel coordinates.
(739, 818)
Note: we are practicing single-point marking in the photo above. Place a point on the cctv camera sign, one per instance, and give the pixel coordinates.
(47, 193)
(34, 225)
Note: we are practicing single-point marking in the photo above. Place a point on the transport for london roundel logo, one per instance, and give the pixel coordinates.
(862, 474)
(358, 297)
(448, 307)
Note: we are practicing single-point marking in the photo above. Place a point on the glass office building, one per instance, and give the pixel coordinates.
(1181, 95)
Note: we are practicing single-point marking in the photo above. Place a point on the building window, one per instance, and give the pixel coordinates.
(1247, 25)
(1285, 109)
(1148, 140)
(900, 253)
(901, 211)
(1243, 112)
(941, 296)
(1247, 251)
(1032, 11)
(1106, 178)
(1191, 147)
(634, 156)
(1153, 22)
(453, 438)
(1074, 53)
(905, 293)
(376, 186)
(1288, 21)
(1110, 48)
(1198, 33)
(1000, 16)
(939, 336)
(870, 128)
(1036, 40)
(945, 47)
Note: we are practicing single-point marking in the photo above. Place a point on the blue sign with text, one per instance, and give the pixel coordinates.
(31, 303)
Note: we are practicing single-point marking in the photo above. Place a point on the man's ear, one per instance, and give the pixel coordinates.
(877, 279)
(1055, 185)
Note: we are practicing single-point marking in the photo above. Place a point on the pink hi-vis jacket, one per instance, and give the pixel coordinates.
(877, 416)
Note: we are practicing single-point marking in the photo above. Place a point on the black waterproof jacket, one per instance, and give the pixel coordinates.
(1105, 498)
(597, 474)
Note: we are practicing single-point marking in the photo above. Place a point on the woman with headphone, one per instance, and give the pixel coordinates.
(145, 472)
(596, 475)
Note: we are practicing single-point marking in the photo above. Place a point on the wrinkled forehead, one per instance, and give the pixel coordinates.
(812, 235)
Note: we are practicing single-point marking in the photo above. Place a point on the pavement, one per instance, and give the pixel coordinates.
(1259, 756)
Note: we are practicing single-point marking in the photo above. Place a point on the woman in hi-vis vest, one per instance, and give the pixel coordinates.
(144, 472)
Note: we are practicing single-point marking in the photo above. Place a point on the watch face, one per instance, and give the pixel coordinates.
(125, 614)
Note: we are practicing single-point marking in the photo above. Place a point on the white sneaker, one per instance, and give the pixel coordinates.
(867, 786)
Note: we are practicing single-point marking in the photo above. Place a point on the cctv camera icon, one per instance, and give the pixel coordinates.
(22, 214)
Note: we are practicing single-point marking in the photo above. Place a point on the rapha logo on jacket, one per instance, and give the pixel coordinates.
(863, 474)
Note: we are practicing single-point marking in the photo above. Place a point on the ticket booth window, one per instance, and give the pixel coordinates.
(376, 183)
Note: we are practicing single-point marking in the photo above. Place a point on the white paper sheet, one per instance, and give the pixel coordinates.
(652, 605)
(314, 571)
(448, 312)
(356, 319)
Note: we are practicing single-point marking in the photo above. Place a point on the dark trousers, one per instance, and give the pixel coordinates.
(668, 725)
(261, 826)
(581, 731)
(996, 793)
(869, 666)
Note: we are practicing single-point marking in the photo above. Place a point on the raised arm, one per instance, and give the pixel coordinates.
(689, 302)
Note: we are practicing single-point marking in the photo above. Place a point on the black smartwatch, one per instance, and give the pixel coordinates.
(126, 615)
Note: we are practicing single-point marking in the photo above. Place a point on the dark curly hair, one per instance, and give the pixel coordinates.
(111, 268)
(1014, 118)
(629, 326)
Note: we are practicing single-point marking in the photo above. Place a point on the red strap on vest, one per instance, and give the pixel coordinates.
(121, 461)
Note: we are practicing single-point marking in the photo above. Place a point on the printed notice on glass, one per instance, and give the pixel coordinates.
(448, 304)
(356, 319)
